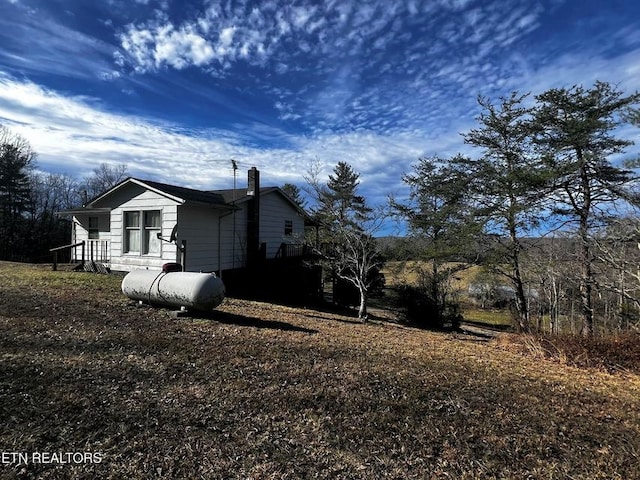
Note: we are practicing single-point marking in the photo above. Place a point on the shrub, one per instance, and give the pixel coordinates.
(425, 312)
(616, 352)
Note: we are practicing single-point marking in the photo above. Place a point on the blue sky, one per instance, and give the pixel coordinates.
(175, 89)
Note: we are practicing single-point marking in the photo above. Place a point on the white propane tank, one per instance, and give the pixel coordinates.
(198, 291)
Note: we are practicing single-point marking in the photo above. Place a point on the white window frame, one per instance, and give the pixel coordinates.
(145, 233)
(150, 234)
(288, 228)
(126, 248)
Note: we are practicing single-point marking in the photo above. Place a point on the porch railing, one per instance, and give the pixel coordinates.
(98, 251)
(64, 247)
(90, 250)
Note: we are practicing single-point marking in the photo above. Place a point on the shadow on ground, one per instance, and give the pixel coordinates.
(246, 321)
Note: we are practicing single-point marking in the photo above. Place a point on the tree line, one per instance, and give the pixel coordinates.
(545, 168)
(29, 200)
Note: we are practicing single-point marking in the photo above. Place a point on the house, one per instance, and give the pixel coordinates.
(146, 224)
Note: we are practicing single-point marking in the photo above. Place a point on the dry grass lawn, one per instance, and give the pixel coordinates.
(263, 391)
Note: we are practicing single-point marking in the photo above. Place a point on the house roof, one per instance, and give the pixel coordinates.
(179, 194)
(239, 195)
(189, 194)
(226, 199)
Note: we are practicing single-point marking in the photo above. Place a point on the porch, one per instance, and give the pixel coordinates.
(92, 255)
(99, 251)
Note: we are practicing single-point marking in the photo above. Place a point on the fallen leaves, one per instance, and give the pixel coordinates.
(266, 391)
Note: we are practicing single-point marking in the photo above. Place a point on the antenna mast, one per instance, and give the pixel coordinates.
(234, 165)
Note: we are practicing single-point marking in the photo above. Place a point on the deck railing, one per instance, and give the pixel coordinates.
(296, 250)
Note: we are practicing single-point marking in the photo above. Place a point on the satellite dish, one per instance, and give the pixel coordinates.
(172, 237)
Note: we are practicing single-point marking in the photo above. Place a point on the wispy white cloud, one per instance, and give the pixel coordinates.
(376, 83)
(46, 46)
(402, 45)
(73, 136)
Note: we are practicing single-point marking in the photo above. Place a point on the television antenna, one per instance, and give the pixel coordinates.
(234, 165)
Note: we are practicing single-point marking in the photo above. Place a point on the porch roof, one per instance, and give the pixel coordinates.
(84, 211)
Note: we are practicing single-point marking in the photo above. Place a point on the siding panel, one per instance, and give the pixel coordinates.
(138, 199)
(199, 227)
(274, 210)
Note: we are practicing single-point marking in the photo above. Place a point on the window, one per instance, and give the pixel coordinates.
(288, 227)
(141, 232)
(151, 243)
(132, 232)
(93, 228)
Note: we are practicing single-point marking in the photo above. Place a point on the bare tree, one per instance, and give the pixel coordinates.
(550, 268)
(50, 193)
(617, 270)
(348, 225)
(103, 178)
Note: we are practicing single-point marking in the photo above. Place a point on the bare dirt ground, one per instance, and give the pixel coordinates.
(263, 391)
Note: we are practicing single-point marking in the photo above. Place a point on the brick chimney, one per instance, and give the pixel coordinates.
(253, 217)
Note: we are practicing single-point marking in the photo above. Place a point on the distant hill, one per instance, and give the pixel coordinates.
(411, 248)
(401, 248)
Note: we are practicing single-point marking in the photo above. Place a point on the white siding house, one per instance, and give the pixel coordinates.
(145, 224)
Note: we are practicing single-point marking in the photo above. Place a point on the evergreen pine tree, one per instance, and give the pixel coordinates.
(575, 130)
(508, 188)
(16, 160)
(347, 225)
